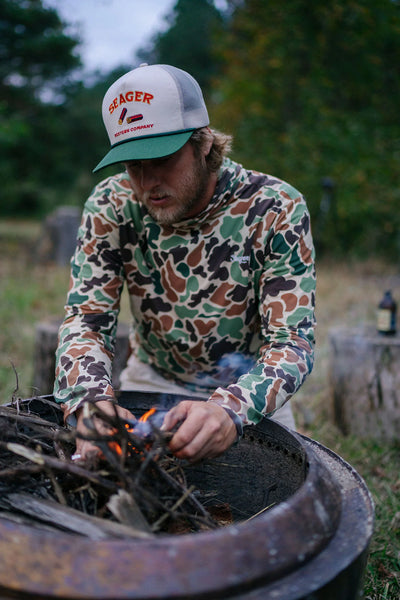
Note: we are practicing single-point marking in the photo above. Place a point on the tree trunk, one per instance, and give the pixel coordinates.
(46, 346)
(365, 382)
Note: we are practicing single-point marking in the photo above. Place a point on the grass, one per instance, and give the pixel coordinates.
(347, 295)
(29, 292)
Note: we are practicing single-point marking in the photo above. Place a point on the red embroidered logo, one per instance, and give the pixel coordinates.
(134, 118)
(136, 96)
(122, 116)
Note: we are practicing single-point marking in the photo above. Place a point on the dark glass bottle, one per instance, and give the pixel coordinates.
(386, 316)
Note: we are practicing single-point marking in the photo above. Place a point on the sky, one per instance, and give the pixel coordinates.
(112, 30)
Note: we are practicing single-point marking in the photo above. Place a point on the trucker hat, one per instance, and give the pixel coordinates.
(151, 112)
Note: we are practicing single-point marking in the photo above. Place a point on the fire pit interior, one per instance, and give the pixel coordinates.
(293, 503)
(234, 477)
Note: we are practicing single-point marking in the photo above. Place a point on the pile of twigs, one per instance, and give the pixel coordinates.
(135, 489)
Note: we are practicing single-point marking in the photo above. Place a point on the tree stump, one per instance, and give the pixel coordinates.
(59, 232)
(365, 382)
(45, 348)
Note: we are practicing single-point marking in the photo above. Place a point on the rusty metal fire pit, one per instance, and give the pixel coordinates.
(312, 544)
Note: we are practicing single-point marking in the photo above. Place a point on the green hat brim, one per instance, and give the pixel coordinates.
(144, 148)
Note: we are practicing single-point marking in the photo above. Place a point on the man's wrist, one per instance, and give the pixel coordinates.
(236, 420)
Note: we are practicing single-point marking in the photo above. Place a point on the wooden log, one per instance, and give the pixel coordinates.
(66, 518)
(45, 348)
(125, 508)
(365, 382)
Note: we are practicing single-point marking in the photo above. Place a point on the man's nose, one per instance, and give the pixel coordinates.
(148, 176)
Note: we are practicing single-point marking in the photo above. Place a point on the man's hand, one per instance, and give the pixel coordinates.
(206, 429)
(85, 449)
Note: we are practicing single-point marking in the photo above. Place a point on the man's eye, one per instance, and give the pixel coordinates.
(158, 162)
(132, 166)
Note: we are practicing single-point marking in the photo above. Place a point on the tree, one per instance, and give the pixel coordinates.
(312, 89)
(35, 59)
(188, 40)
(34, 50)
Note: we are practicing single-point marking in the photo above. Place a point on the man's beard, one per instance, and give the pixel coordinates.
(190, 194)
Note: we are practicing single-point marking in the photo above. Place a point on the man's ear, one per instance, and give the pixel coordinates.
(208, 142)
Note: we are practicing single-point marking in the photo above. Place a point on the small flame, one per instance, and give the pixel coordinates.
(141, 427)
(115, 447)
(147, 415)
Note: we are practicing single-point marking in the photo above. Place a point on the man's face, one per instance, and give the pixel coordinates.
(172, 188)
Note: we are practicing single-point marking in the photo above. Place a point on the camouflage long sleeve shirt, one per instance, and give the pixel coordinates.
(237, 280)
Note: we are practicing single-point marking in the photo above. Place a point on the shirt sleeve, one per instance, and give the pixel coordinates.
(287, 301)
(87, 335)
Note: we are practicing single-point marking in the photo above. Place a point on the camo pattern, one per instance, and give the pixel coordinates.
(238, 282)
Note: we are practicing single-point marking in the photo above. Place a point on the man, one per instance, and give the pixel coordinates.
(218, 263)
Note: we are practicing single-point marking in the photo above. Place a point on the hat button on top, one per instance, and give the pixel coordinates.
(144, 65)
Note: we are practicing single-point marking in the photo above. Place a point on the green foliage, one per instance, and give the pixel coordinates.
(29, 293)
(188, 40)
(36, 59)
(311, 89)
(33, 48)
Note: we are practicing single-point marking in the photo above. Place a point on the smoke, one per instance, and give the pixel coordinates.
(232, 366)
(229, 368)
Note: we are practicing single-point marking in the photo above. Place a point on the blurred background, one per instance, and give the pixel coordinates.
(310, 90)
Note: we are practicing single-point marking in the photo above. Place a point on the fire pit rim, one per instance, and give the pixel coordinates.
(173, 549)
